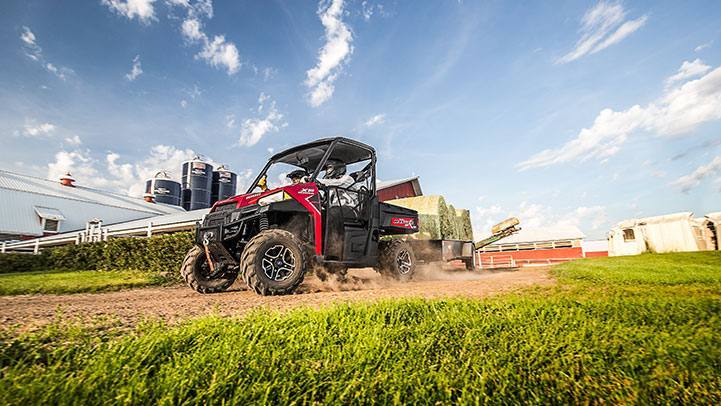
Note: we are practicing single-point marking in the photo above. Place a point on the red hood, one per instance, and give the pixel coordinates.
(298, 192)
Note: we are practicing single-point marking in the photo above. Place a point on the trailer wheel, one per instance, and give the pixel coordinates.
(273, 263)
(470, 264)
(396, 260)
(197, 274)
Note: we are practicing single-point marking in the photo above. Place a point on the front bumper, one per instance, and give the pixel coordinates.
(223, 225)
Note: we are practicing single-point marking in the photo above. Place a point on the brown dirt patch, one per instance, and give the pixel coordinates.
(179, 302)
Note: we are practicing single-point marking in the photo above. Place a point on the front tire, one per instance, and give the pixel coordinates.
(196, 273)
(396, 260)
(273, 263)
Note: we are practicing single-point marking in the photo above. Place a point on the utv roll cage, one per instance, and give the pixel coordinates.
(312, 157)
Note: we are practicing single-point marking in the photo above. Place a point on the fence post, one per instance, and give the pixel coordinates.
(3, 247)
(150, 229)
(36, 250)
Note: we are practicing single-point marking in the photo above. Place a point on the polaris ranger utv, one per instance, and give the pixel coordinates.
(273, 236)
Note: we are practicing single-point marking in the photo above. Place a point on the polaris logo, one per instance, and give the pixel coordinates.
(404, 222)
(307, 191)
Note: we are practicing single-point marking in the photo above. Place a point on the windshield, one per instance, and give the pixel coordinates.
(277, 175)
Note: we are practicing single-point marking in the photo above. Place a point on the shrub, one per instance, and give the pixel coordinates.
(13, 262)
(159, 254)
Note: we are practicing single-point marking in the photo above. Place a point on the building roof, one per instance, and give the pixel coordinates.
(666, 218)
(557, 233)
(26, 198)
(384, 184)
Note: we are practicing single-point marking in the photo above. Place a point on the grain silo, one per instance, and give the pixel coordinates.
(196, 184)
(224, 184)
(162, 189)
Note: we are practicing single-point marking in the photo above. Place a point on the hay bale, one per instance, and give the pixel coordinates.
(430, 210)
(463, 221)
(437, 220)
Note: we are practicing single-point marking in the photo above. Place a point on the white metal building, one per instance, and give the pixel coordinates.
(33, 207)
(676, 232)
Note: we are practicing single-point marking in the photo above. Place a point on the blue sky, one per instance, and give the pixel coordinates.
(577, 113)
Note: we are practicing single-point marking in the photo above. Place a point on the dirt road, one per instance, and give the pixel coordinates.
(175, 303)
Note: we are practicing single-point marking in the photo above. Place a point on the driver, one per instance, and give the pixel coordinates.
(335, 175)
(340, 201)
(297, 176)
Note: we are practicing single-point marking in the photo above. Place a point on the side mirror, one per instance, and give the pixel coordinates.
(263, 183)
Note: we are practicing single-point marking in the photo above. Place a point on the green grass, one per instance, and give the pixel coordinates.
(73, 282)
(565, 344)
(687, 268)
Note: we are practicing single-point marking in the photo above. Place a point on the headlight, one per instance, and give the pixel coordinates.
(275, 197)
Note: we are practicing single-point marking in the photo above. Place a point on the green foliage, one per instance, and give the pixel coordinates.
(548, 345)
(161, 254)
(58, 282)
(14, 262)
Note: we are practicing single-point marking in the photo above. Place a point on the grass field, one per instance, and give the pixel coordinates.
(73, 282)
(617, 330)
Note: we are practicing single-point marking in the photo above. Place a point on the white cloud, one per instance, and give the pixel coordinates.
(74, 140)
(230, 121)
(252, 130)
(376, 120)
(39, 130)
(690, 181)
(218, 52)
(688, 70)
(183, 103)
(192, 30)
(269, 73)
(337, 50)
(136, 70)
(34, 52)
(538, 216)
(678, 111)
(28, 37)
(368, 10)
(143, 10)
(703, 46)
(221, 54)
(602, 26)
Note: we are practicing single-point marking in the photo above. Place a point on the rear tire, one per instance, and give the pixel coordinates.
(197, 275)
(273, 263)
(396, 260)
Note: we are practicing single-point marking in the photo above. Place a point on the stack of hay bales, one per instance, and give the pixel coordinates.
(438, 221)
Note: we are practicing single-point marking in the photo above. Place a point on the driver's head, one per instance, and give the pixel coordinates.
(297, 176)
(334, 169)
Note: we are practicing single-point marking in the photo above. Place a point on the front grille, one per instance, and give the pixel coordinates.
(213, 220)
(225, 207)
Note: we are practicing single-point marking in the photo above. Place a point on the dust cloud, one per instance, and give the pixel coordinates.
(319, 280)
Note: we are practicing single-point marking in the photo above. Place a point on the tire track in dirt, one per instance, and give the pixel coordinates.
(175, 303)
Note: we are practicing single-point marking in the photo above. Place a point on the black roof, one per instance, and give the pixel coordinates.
(309, 155)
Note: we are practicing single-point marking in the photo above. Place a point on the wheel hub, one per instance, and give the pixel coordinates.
(404, 262)
(278, 263)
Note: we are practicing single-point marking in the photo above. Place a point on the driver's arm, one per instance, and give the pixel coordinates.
(344, 181)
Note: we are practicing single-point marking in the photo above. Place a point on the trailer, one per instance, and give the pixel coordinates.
(447, 250)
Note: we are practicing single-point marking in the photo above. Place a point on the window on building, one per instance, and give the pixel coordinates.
(628, 235)
(51, 226)
(50, 218)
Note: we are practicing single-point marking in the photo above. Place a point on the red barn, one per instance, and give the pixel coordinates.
(533, 247)
(398, 189)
